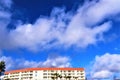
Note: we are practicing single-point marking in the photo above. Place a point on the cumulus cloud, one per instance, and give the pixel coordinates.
(98, 11)
(4, 21)
(4, 13)
(57, 62)
(105, 66)
(5, 3)
(102, 74)
(80, 29)
(60, 61)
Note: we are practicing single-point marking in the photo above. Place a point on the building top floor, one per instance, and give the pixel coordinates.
(43, 69)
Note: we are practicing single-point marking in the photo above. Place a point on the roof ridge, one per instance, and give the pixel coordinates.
(40, 68)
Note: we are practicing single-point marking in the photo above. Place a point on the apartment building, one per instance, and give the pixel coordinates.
(46, 74)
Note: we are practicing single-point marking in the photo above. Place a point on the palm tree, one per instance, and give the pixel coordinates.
(2, 67)
(65, 76)
(69, 77)
(55, 76)
(60, 76)
(52, 77)
(76, 78)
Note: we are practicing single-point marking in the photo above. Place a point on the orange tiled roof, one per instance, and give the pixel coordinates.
(35, 69)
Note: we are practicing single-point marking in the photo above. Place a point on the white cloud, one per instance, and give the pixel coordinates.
(64, 29)
(83, 36)
(105, 65)
(5, 3)
(98, 11)
(57, 62)
(60, 61)
(4, 14)
(102, 74)
(4, 21)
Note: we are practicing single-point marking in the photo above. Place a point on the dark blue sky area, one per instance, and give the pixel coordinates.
(30, 10)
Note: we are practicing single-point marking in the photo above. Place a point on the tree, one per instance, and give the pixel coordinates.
(65, 77)
(2, 67)
(75, 78)
(55, 76)
(69, 77)
(60, 76)
(52, 77)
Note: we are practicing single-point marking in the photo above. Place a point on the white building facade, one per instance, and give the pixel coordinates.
(46, 74)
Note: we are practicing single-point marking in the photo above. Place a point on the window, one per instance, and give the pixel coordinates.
(81, 73)
(78, 73)
(31, 71)
(69, 74)
(49, 73)
(44, 76)
(44, 73)
(82, 76)
(31, 74)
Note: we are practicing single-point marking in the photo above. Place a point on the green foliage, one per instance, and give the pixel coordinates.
(2, 67)
(55, 76)
(69, 77)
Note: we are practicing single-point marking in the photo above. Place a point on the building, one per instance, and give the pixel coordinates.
(46, 74)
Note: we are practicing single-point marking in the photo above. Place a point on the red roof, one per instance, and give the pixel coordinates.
(35, 69)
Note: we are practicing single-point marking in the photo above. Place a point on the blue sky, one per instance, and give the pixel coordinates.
(61, 33)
